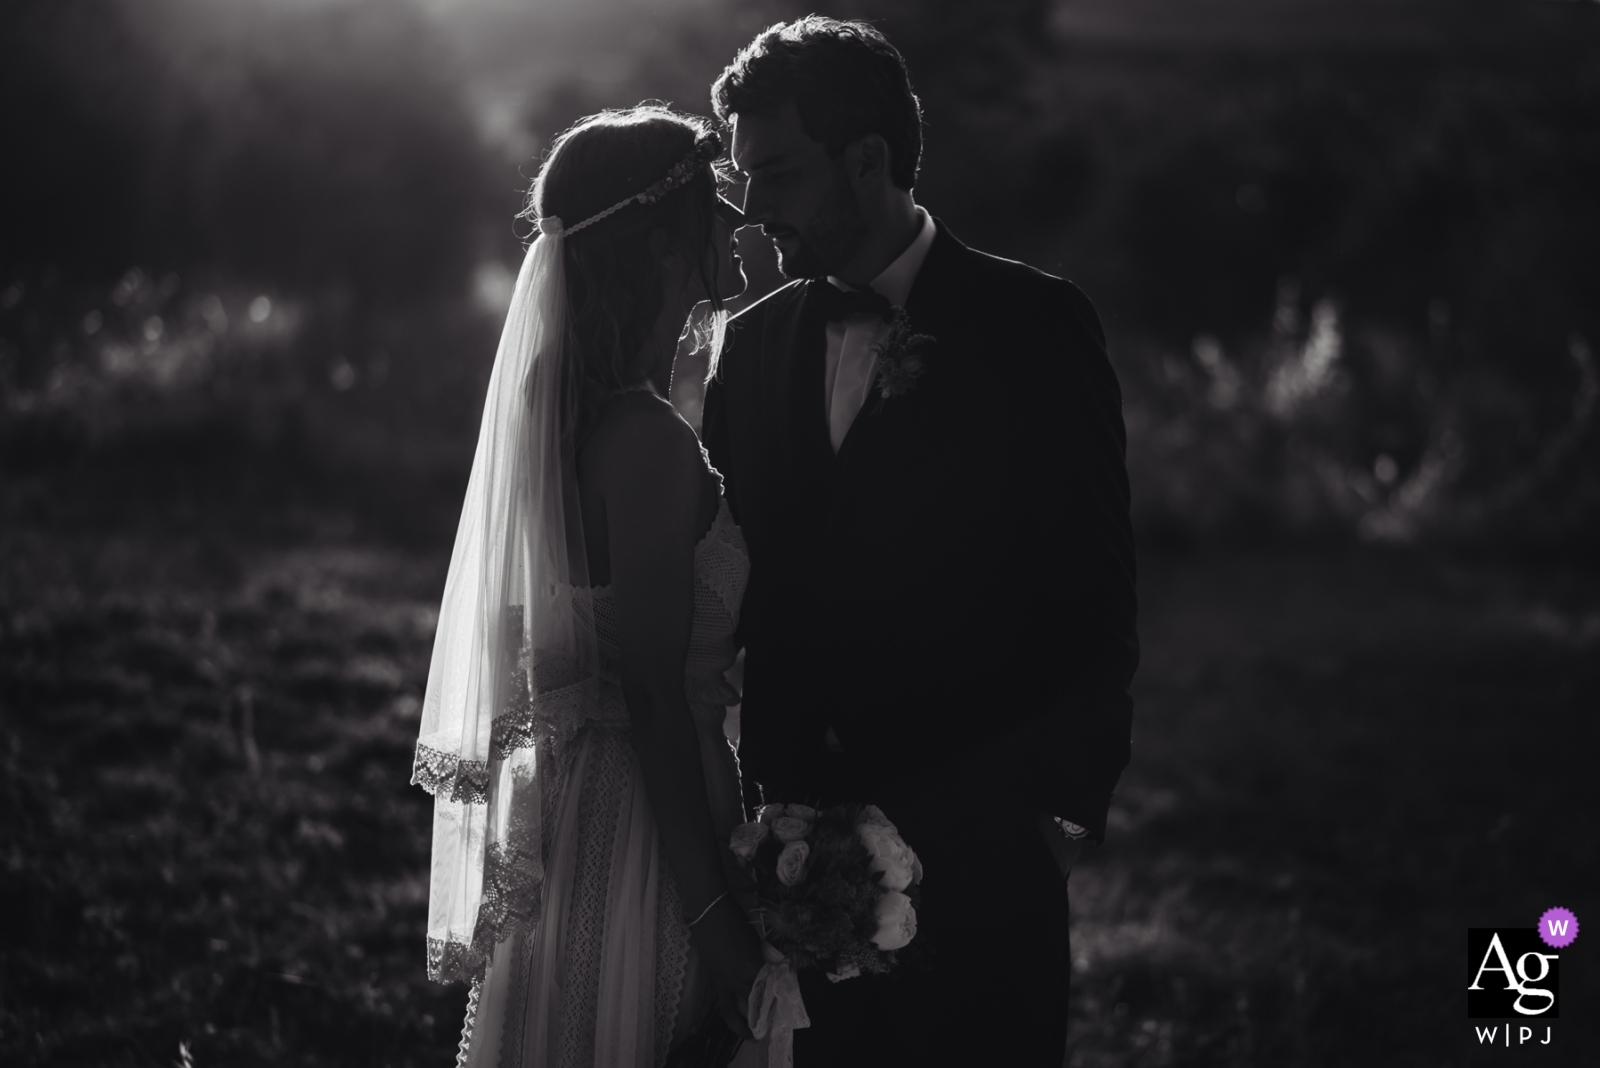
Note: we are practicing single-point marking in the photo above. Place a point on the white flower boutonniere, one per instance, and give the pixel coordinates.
(901, 357)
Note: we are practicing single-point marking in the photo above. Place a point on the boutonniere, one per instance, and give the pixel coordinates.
(901, 357)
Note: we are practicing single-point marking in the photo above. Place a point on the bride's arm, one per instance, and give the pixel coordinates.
(653, 487)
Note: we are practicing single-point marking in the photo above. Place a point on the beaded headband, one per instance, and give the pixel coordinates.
(707, 147)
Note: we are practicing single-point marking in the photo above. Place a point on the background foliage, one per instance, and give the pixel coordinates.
(1420, 174)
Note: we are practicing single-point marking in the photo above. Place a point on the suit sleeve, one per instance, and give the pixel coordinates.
(1074, 475)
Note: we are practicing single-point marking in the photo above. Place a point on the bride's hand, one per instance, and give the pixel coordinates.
(731, 948)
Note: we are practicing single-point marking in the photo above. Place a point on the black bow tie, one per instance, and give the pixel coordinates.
(835, 304)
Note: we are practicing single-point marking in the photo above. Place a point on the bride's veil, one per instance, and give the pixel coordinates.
(511, 661)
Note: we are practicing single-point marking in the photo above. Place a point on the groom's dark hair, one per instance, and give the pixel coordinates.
(846, 81)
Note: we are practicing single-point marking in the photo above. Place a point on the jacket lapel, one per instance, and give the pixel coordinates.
(936, 296)
(791, 386)
(926, 307)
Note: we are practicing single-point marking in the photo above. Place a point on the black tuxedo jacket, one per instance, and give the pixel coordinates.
(953, 591)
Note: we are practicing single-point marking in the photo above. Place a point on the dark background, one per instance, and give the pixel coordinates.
(252, 265)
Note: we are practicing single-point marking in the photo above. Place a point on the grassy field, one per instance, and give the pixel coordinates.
(209, 833)
(1341, 761)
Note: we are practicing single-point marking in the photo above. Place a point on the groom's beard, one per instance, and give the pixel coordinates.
(830, 238)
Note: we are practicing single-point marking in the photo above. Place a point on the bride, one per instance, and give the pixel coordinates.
(572, 729)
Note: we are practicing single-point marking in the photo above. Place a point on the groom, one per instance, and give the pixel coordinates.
(924, 447)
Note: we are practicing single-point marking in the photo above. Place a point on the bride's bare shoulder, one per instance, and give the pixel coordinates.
(638, 436)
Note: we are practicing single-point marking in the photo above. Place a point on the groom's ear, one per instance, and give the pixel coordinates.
(866, 159)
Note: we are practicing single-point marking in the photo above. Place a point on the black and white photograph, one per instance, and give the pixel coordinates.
(742, 534)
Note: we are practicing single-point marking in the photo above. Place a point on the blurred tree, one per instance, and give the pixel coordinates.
(316, 148)
(70, 191)
(1425, 170)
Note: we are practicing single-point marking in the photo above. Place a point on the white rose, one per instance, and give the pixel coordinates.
(802, 812)
(745, 838)
(890, 855)
(769, 813)
(897, 921)
(872, 816)
(792, 863)
(790, 829)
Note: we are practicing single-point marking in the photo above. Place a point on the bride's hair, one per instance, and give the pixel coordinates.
(613, 277)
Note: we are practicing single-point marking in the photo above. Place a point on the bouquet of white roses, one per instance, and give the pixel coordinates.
(835, 890)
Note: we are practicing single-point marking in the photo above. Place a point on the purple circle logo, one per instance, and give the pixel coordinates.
(1558, 927)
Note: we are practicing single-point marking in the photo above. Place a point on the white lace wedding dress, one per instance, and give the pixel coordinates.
(606, 978)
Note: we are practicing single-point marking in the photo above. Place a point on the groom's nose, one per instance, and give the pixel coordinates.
(758, 207)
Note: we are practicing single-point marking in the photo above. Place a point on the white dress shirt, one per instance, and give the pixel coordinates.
(851, 357)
